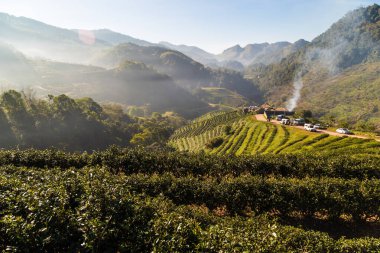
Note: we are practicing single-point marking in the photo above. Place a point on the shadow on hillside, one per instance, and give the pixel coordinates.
(335, 229)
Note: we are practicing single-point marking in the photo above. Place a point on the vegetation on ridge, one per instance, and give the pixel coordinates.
(248, 136)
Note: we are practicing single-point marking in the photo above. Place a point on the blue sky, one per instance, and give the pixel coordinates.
(213, 25)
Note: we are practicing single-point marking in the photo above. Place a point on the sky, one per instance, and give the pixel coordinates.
(213, 25)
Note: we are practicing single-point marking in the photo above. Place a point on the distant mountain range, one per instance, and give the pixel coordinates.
(263, 53)
(35, 38)
(132, 72)
(321, 75)
(237, 58)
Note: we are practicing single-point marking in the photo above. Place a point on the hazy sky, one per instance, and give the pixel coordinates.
(212, 25)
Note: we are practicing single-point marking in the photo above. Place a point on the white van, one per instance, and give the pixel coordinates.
(285, 121)
(306, 126)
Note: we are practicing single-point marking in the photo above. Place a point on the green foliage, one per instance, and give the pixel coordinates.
(60, 122)
(76, 124)
(223, 96)
(283, 196)
(214, 143)
(96, 207)
(156, 130)
(227, 129)
(242, 135)
(69, 211)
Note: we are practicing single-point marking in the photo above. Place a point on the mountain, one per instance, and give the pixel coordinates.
(186, 72)
(129, 84)
(352, 96)
(115, 38)
(234, 65)
(283, 73)
(193, 52)
(328, 60)
(236, 57)
(15, 69)
(263, 53)
(38, 39)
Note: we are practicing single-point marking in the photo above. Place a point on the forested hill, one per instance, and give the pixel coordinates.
(185, 71)
(75, 124)
(129, 83)
(25, 41)
(12, 63)
(353, 40)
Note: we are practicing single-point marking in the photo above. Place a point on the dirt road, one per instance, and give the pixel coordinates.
(260, 117)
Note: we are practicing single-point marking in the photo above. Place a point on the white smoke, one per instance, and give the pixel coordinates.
(324, 58)
(297, 86)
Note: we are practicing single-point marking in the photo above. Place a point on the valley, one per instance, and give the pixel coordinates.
(111, 142)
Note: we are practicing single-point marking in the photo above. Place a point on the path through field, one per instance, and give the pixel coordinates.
(260, 117)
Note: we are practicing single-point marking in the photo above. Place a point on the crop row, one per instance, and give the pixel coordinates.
(93, 210)
(199, 127)
(269, 138)
(131, 161)
(331, 197)
(196, 143)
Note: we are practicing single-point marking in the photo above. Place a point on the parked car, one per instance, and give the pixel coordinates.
(307, 125)
(343, 131)
(319, 126)
(280, 117)
(285, 121)
(298, 122)
(310, 128)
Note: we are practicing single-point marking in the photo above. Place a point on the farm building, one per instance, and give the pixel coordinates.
(271, 110)
(278, 111)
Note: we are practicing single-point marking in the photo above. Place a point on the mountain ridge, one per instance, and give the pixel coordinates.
(351, 41)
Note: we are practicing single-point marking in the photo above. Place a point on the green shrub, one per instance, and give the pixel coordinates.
(214, 143)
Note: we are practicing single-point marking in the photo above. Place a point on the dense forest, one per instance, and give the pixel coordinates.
(76, 124)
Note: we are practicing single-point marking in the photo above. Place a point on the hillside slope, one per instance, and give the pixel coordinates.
(185, 71)
(221, 96)
(12, 64)
(35, 38)
(115, 38)
(352, 96)
(194, 52)
(129, 84)
(353, 40)
(238, 134)
(264, 53)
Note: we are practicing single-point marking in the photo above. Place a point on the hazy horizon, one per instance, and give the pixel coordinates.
(212, 25)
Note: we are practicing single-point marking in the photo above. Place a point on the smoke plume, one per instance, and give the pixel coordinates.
(342, 46)
(297, 86)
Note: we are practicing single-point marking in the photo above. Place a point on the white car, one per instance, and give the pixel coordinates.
(310, 128)
(285, 121)
(306, 126)
(343, 131)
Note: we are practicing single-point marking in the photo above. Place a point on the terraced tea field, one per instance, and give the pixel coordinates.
(244, 135)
